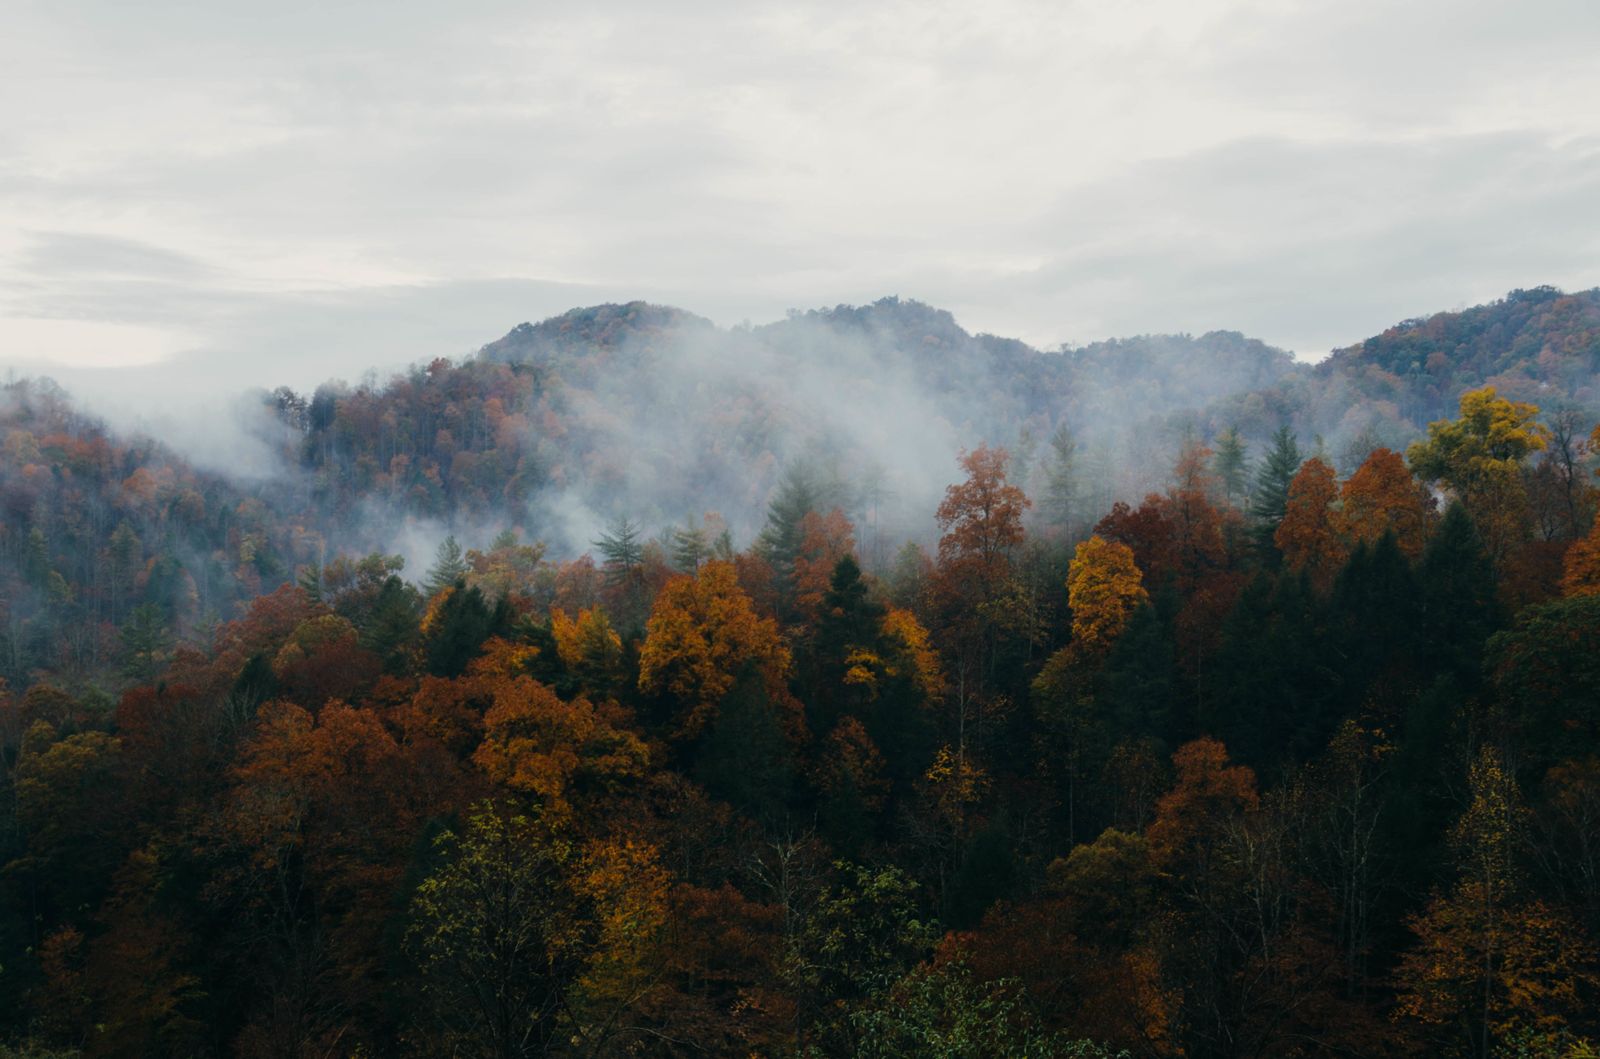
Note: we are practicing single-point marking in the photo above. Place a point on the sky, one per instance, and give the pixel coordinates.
(197, 197)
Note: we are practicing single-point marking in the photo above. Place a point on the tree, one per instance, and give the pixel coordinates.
(1270, 497)
(942, 1011)
(459, 621)
(981, 518)
(1488, 958)
(1310, 536)
(1382, 497)
(824, 541)
(1190, 817)
(1062, 489)
(1545, 670)
(322, 660)
(981, 523)
(449, 566)
(590, 650)
(863, 933)
(145, 643)
(801, 491)
(554, 751)
(1233, 465)
(1104, 588)
(1478, 456)
(495, 934)
(1580, 575)
(391, 629)
(622, 549)
(689, 548)
(1458, 600)
(746, 759)
(701, 633)
(624, 568)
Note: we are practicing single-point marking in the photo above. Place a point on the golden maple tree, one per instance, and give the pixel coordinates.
(1104, 587)
(702, 631)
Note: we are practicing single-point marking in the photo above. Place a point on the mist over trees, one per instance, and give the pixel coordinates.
(850, 685)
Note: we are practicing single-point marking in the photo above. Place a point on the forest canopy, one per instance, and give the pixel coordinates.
(1260, 720)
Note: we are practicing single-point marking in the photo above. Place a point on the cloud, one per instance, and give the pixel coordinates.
(327, 189)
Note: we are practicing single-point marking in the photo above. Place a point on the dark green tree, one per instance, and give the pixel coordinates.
(689, 548)
(390, 631)
(1270, 497)
(145, 643)
(1459, 609)
(621, 551)
(1233, 464)
(448, 567)
(1062, 490)
(744, 758)
(460, 627)
(1139, 683)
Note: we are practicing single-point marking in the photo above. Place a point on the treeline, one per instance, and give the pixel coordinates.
(1273, 763)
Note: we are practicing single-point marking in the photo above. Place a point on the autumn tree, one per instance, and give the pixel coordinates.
(1104, 590)
(824, 541)
(552, 750)
(981, 517)
(1310, 536)
(1490, 957)
(981, 523)
(1479, 456)
(701, 633)
(496, 935)
(1208, 791)
(1104, 587)
(1580, 575)
(1382, 497)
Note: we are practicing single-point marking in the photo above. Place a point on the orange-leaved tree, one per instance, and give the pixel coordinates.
(1311, 535)
(1580, 575)
(981, 517)
(702, 631)
(1382, 497)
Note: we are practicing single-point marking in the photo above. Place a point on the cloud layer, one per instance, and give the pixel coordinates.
(198, 197)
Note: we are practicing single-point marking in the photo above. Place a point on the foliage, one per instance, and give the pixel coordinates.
(1104, 587)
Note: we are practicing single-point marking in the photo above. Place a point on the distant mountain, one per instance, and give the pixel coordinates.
(1537, 345)
(657, 414)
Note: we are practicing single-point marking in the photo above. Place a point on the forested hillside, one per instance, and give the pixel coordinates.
(850, 686)
(657, 415)
(1538, 345)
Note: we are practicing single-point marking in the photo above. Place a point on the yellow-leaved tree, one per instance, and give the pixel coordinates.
(1489, 959)
(1104, 587)
(702, 632)
(1478, 457)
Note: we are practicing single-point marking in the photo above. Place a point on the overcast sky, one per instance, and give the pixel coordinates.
(217, 194)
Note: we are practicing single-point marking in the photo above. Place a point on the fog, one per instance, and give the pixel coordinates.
(664, 417)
